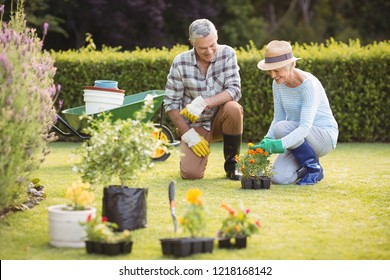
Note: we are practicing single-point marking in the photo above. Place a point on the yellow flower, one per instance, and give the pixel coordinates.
(193, 218)
(80, 195)
(193, 196)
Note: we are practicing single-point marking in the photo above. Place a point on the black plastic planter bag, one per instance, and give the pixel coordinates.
(125, 206)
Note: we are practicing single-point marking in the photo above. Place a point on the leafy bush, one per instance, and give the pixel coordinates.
(122, 148)
(27, 112)
(356, 79)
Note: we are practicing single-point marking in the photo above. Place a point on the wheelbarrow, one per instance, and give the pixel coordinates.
(74, 124)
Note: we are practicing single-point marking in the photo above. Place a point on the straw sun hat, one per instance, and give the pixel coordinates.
(277, 54)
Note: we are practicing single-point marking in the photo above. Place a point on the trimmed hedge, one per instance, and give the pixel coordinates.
(356, 79)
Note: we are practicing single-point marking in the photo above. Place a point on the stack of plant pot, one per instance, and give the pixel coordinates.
(103, 96)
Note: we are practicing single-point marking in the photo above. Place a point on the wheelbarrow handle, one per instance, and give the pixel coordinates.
(70, 128)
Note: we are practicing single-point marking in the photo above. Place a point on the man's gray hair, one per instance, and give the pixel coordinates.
(201, 28)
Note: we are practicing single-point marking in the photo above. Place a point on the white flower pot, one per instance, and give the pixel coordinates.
(97, 101)
(65, 228)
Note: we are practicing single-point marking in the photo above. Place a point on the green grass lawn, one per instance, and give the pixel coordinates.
(344, 217)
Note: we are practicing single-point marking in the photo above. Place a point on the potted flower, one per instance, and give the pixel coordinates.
(193, 223)
(64, 220)
(238, 226)
(120, 149)
(103, 237)
(256, 168)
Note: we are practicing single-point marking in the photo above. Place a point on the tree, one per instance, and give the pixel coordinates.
(158, 23)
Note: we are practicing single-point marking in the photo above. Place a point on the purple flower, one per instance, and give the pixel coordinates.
(60, 102)
(1, 11)
(45, 27)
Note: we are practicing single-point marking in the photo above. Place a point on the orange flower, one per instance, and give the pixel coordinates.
(259, 150)
(238, 223)
(230, 209)
(255, 162)
(193, 196)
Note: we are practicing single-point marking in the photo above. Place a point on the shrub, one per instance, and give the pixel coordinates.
(27, 112)
(356, 79)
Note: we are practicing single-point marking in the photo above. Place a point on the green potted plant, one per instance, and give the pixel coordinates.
(256, 169)
(120, 149)
(237, 226)
(65, 229)
(103, 237)
(192, 222)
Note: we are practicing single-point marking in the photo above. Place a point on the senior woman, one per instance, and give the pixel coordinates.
(303, 127)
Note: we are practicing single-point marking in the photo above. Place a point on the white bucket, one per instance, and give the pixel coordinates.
(97, 101)
(64, 226)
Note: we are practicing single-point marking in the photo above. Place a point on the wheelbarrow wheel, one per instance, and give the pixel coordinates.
(165, 135)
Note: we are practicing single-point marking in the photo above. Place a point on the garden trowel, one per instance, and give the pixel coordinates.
(172, 203)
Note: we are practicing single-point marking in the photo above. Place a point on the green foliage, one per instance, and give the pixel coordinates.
(193, 219)
(101, 230)
(356, 79)
(254, 163)
(27, 113)
(238, 223)
(122, 148)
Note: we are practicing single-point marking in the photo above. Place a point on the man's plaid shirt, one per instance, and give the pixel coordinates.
(186, 81)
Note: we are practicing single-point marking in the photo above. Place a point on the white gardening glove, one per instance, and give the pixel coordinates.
(196, 142)
(193, 110)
